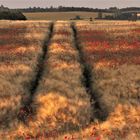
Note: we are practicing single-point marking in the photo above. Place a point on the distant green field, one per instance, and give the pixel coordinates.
(61, 15)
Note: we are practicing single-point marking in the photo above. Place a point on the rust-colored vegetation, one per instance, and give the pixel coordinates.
(18, 66)
(70, 81)
(114, 59)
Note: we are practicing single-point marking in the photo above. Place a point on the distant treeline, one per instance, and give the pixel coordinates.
(12, 15)
(130, 9)
(63, 9)
(130, 13)
(9, 14)
(67, 9)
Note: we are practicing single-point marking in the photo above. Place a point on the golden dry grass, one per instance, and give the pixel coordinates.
(61, 97)
(61, 105)
(115, 70)
(18, 65)
(61, 15)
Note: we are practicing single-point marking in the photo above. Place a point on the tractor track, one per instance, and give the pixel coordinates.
(26, 111)
(97, 111)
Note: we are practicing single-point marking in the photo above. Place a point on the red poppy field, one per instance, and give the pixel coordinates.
(70, 80)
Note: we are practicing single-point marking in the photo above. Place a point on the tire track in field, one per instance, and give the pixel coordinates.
(26, 111)
(97, 111)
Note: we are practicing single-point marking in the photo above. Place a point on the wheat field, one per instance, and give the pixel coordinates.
(70, 80)
(62, 15)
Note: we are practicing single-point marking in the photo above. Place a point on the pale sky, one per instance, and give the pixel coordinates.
(78, 3)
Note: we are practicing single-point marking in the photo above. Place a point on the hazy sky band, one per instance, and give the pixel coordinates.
(78, 3)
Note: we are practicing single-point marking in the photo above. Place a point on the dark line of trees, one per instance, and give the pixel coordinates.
(63, 9)
(67, 9)
(119, 15)
(130, 9)
(9, 14)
